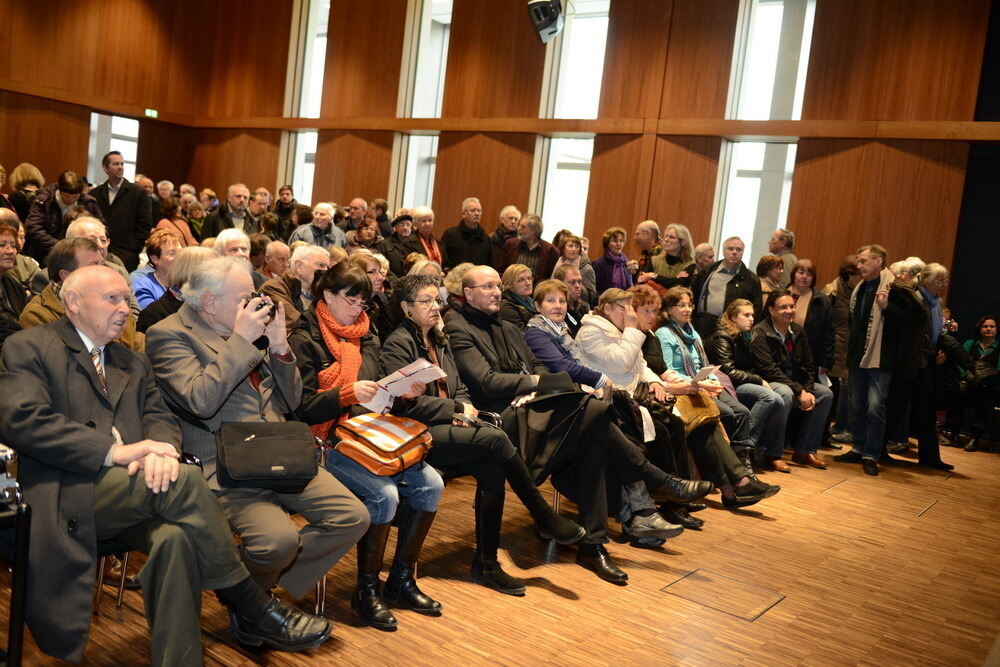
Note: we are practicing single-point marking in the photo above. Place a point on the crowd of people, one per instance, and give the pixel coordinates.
(137, 319)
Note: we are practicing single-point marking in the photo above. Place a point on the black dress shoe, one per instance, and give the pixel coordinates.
(677, 490)
(492, 576)
(679, 516)
(830, 444)
(735, 502)
(870, 466)
(694, 507)
(281, 627)
(595, 558)
(849, 457)
(757, 488)
(939, 465)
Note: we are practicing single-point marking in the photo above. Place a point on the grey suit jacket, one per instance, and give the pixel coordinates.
(57, 417)
(209, 377)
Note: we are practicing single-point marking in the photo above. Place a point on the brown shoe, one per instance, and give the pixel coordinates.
(809, 459)
(780, 465)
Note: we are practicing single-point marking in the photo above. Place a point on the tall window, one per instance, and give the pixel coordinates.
(306, 93)
(314, 59)
(304, 166)
(111, 133)
(571, 89)
(421, 94)
(768, 81)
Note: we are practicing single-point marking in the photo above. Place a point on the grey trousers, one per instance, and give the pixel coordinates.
(276, 552)
(190, 549)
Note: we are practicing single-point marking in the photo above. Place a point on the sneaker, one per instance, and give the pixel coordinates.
(758, 488)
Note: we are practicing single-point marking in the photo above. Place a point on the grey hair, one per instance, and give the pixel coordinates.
(71, 230)
(421, 212)
(209, 277)
(469, 200)
(418, 267)
(453, 279)
(165, 182)
(510, 207)
(931, 272)
(304, 252)
(227, 235)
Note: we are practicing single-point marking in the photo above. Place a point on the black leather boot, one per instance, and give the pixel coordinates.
(401, 588)
(486, 570)
(367, 598)
(550, 525)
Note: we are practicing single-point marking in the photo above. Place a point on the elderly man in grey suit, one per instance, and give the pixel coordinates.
(99, 457)
(207, 365)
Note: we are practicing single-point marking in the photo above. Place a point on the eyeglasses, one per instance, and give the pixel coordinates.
(355, 302)
(375, 272)
(487, 287)
(430, 303)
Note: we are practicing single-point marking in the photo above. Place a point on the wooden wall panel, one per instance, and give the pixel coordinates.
(895, 59)
(495, 61)
(619, 185)
(364, 50)
(496, 168)
(903, 194)
(223, 157)
(634, 58)
(685, 172)
(352, 164)
(50, 135)
(165, 152)
(699, 59)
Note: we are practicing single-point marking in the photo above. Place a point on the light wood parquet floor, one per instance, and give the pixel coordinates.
(837, 569)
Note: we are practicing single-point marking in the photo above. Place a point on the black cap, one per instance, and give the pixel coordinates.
(400, 219)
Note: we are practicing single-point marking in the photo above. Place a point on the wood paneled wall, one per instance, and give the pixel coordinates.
(352, 164)
(165, 152)
(50, 135)
(223, 157)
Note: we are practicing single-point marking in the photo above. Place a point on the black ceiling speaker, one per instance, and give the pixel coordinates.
(546, 17)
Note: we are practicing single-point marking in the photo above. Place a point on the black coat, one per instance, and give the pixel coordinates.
(404, 346)
(734, 357)
(223, 219)
(395, 251)
(161, 309)
(466, 245)
(513, 312)
(15, 298)
(44, 226)
(478, 360)
(412, 243)
(772, 360)
(820, 331)
(743, 285)
(129, 220)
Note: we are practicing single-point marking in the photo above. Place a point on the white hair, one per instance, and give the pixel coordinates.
(71, 231)
(326, 205)
(165, 183)
(227, 235)
(229, 190)
(304, 252)
(421, 212)
(274, 245)
(209, 277)
(418, 267)
(469, 200)
(510, 207)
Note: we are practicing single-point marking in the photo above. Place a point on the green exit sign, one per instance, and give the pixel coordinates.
(152, 113)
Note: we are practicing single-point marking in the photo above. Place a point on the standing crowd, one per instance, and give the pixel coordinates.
(136, 320)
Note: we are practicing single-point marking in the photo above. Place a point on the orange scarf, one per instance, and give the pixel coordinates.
(344, 344)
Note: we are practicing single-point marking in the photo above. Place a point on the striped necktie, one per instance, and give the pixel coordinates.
(95, 354)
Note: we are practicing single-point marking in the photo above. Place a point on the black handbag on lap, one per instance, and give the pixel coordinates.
(280, 456)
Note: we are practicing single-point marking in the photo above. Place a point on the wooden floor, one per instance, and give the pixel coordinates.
(838, 568)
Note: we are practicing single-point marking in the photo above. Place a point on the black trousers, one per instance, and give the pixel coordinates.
(917, 393)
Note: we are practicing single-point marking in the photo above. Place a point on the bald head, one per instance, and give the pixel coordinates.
(481, 288)
(96, 302)
(7, 215)
(647, 234)
(86, 227)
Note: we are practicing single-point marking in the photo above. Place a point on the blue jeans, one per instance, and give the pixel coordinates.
(869, 391)
(814, 422)
(735, 419)
(761, 402)
(421, 485)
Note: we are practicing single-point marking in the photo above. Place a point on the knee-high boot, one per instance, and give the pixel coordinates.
(551, 525)
(367, 598)
(401, 587)
(486, 570)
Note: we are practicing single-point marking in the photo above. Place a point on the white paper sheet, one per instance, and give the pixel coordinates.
(398, 383)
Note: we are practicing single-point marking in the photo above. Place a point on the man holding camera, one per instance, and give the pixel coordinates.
(224, 357)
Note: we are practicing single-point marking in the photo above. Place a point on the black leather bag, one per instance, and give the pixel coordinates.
(280, 456)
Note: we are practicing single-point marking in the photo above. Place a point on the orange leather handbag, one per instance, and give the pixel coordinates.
(383, 444)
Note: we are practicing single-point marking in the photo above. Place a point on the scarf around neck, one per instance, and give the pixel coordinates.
(559, 331)
(619, 270)
(872, 356)
(689, 338)
(344, 344)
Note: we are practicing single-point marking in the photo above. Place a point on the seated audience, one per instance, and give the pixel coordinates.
(720, 284)
(26, 269)
(393, 248)
(516, 304)
(365, 236)
(338, 358)
(44, 225)
(294, 287)
(611, 268)
(675, 265)
(67, 256)
(452, 283)
(196, 219)
(704, 257)
(729, 348)
(380, 313)
(502, 375)
(13, 295)
(161, 249)
(180, 272)
(234, 243)
(684, 353)
(571, 255)
(465, 449)
(25, 183)
(422, 239)
(277, 256)
(782, 356)
(232, 213)
(80, 456)
(210, 372)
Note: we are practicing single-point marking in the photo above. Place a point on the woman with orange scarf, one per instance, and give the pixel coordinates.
(338, 359)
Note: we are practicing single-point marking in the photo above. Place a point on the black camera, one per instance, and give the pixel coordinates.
(265, 302)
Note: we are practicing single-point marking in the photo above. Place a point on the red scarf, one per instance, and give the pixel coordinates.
(344, 344)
